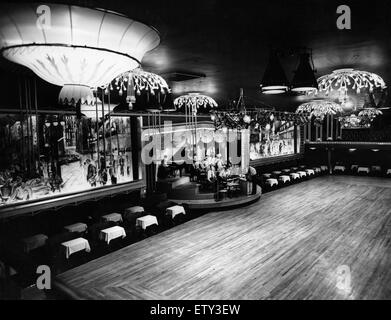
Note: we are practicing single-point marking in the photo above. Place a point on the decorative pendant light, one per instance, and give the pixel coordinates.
(342, 80)
(304, 80)
(139, 82)
(191, 103)
(274, 79)
(73, 47)
(319, 108)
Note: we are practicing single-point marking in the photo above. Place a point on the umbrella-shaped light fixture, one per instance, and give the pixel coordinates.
(319, 108)
(274, 79)
(304, 80)
(73, 47)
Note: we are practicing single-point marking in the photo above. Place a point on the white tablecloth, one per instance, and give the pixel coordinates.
(135, 209)
(146, 221)
(389, 171)
(286, 170)
(112, 233)
(76, 245)
(295, 175)
(363, 169)
(310, 172)
(272, 182)
(317, 169)
(324, 168)
(174, 211)
(354, 166)
(339, 168)
(114, 217)
(276, 172)
(267, 175)
(285, 178)
(302, 173)
(376, 168)
(76, 227)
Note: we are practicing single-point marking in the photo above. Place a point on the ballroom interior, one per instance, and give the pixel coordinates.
(195, 150)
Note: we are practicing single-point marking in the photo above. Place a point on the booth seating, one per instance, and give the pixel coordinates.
(363, 170)
(284, 179)
(339, 168)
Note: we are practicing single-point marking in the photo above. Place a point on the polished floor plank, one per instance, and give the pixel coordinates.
(288, 245)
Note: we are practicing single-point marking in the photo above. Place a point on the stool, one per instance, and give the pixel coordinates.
(285, 179)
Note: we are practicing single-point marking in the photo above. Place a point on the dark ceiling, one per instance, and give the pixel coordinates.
(228, 42)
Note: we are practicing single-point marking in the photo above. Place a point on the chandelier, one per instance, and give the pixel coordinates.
(194, 101)
(344, 79)
(74, 47)
(370, 113)
(319, 108)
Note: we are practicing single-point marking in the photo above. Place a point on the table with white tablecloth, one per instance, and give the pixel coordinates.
(76, 227)
(272, 182)
(112, 233)
(76, 245)
(146, 221)
(135, 209)
(388, 172)
(284, 178)
(340, 168)
(113, 217)
(363, 170)
(310, 172)
(174, 211)
(324, 168)
(302, 174)
(294, 175)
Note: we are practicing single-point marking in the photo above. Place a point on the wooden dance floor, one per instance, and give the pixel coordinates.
(292, 244)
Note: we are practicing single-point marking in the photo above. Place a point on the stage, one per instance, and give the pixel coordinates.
(290, 245)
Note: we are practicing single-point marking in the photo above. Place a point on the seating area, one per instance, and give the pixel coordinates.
(285, 174)
(362, 170)
(84, 239)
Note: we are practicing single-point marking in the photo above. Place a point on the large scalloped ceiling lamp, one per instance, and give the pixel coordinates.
(139, 81)
(194, 101)
(74, 47)
(319, 108)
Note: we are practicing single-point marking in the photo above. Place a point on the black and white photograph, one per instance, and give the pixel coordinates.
(195, 155)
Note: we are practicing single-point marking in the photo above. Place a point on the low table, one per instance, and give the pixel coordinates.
(76, 245)
(324, 168)
(340, 168)
(76, 227)
(363, 170)
(310, 172)
(114, 217)
(294, 175)
(284, 179)
(302, 174)
(34, 242)
(135, 209)
(272, 182)
(112, 233)
(146, 221)
(174, 211)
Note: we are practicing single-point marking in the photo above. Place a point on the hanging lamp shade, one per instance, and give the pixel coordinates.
(194, 102)
(151, 86)
(320, 108)
(304, 80)
(274, 79)
(69, 45)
